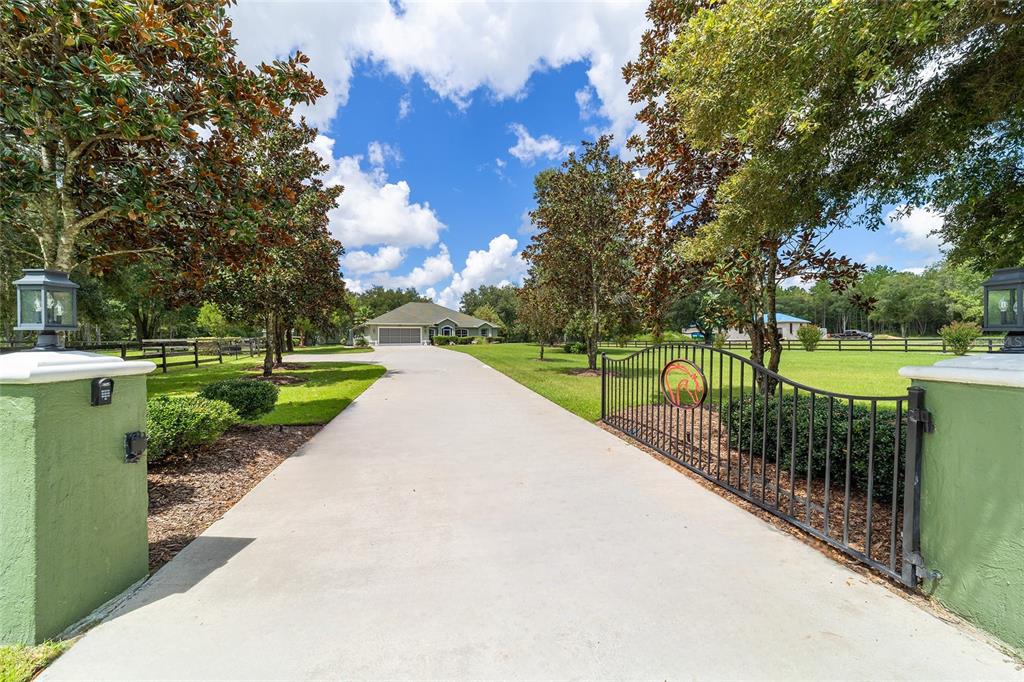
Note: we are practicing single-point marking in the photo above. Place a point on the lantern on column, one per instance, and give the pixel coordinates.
(47, 304)
(1004, 307)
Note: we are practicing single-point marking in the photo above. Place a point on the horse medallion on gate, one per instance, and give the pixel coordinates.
(683, 384)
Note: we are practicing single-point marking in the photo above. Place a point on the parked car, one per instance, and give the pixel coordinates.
(853, 334)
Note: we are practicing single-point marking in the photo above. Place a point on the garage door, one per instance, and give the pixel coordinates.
(398, 335)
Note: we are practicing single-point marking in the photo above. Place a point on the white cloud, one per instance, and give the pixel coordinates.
(529, 148)
(585, 101)
(501, 263)
(914, 230)
(363, 262)
(434, 269)
(379, 153)
(914, 271)
(457, 48)
(372, 210)
(404, 106)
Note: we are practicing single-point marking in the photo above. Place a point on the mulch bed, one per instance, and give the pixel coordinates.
(188, 493)
(281, 379)
(715, 457)
(287, 366)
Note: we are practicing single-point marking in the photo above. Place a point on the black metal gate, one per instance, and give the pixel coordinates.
(843, 468)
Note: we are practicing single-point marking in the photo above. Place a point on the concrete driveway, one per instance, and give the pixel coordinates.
(452, 524)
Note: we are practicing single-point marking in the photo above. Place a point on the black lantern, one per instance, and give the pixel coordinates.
(1004, 307)
(46, 304)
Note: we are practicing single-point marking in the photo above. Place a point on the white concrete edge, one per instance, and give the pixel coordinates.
(44, 367)
(959, 375)
(991, 369)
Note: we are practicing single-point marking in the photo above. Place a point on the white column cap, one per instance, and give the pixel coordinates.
(43, 367)
(991, 369)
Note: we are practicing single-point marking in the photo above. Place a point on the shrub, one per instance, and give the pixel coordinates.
(174, 423)
(251, 399)
(575, 347)
(718, 341)
(361, 342)
(960, 336)
(464, 340)
(809, 335)
(440, 340)
(742, 423)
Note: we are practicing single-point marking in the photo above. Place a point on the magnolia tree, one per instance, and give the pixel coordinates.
(122, 128)
(673, 187)
(581, 246)
(298, 276)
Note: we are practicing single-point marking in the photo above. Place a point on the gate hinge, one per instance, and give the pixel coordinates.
(923, 417)
(923, 572)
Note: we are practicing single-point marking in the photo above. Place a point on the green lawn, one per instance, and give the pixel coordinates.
(21, 663)
(856, 372)
(328, 388)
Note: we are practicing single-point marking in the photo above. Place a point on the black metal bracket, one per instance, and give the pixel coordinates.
(923, 572)
(134, 446)
(923, 417)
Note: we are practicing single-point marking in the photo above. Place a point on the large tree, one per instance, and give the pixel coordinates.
(298, 275)
(837, 104)
(121, 131)
(581, 245)
(673, 189)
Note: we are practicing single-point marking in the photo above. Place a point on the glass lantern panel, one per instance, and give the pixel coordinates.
(1002, 307)
(31, 307)
(59, 308)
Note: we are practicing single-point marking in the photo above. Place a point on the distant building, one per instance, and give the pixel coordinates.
(788, 326)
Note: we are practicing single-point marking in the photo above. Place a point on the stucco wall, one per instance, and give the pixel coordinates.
(972, 503)
(72, 512)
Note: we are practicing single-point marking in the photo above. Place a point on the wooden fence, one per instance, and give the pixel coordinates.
(168, 352)
(922, 345)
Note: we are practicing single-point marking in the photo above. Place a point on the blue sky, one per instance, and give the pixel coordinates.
(439, 115)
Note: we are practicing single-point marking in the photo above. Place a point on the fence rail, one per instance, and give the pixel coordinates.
(903, 345)
(165, 352)
(841, 467)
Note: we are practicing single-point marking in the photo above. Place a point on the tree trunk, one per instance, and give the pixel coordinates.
(289, 341)
(278, 342)
(268, 356)
(595, 328)
(542, 350)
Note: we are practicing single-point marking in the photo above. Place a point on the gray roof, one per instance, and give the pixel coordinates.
(427, 314)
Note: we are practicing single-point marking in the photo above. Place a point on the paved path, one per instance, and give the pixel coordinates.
(452, 524)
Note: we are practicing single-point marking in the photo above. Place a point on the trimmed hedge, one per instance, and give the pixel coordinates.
(575, 347)
(175, 423)
(885, 439)
(250, 398)
(453, 340)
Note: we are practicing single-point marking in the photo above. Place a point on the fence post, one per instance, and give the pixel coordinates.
(163, 357)
(840, 344)
(220, 353)
(943, 345)
(871, 345)
(195, 352)
(906, 345)
(124, 351)
(604, 356)
(918, 422)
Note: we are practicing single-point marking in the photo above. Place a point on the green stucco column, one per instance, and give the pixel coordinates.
(972, 489)
(72, 511)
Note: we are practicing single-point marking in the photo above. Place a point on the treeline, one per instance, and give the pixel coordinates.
(175, 183)
(887, 301)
